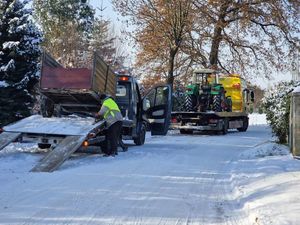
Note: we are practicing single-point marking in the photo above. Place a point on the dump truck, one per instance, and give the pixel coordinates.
(214, 102)
(70, 97)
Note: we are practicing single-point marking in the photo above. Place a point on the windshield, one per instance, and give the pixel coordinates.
(123, 92)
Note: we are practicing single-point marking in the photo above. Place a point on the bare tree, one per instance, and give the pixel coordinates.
(161, 29)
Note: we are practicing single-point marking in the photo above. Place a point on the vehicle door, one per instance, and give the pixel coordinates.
(156, 109)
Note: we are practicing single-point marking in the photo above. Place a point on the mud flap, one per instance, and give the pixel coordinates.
(6, 138)
(59, 154)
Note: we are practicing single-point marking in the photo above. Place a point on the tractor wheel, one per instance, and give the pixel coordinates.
(229, 105)
(47, 107)
(217, 103)
(188, 103)
(245, 125)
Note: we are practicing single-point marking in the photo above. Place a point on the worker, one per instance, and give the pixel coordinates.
(111, 113)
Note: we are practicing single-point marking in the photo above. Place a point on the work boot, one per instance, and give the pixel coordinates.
(125, 148)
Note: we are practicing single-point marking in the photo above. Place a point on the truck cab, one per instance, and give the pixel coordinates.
(153, 110)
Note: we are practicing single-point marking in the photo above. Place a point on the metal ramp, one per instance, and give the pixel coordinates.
(59, 154)
(6, 138)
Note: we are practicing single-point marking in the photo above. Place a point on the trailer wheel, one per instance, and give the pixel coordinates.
(245, 125)
(225, 126)
(140, 139)
(217, 103)
(44, 146)
(47, 107)
(183, 131)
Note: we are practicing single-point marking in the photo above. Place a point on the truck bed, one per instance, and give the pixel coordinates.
(76, 89)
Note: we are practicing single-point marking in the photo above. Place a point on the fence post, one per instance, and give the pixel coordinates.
(295, 124)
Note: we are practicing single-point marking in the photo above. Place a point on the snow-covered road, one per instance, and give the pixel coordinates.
(177, 179)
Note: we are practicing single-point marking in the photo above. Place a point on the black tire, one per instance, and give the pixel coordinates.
(245, 125)
(225, 126)
(44, 146)
(47, 107)
(190, 102)
(140, 139)
(183, 131)
(217, 103)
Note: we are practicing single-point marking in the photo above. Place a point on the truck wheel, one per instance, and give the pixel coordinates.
(47, 107)
(245, 125)
(140, 139)
(225, 126)
(183, 131)
(217, 103)
(44, 146)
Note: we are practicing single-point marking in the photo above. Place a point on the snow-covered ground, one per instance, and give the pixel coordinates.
(240, 178)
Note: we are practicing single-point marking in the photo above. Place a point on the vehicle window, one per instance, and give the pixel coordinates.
(149, 100)
(161, 96)
(121, 91)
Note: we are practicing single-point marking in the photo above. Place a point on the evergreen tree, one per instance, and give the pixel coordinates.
(19, 55)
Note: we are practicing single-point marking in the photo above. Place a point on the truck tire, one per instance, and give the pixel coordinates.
(245, 125)
(47, 107)
(183, 131)
(188, 103)
(44, 146)
(140, 139)
(217, 103)
(225, 126)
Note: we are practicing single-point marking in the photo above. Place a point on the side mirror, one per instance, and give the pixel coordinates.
(252, 96)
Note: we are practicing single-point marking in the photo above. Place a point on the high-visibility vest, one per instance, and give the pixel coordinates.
(112, 106)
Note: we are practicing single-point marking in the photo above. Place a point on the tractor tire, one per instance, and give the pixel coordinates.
(47, 107)
(245, 125)
(190, 101)
(140, 139)
(229, 105)
(216, 106)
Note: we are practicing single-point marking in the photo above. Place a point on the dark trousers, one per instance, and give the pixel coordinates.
(112, 137)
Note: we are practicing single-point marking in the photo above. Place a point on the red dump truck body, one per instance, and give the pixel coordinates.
(76, 89)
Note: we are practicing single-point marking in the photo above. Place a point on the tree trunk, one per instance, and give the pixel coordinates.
(217, 37)
(172, 55)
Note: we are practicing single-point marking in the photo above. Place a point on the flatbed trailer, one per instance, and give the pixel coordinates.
(66, 135)
(221, 122)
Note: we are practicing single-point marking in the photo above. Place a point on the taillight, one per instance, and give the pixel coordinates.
(174, 120)
(124, 78)
(85, 144)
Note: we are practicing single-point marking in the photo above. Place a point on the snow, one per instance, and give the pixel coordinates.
(3, 83)
(10, 44)
(297, 89)
(239, 178)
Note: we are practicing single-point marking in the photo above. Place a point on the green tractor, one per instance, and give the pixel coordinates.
(206, 93)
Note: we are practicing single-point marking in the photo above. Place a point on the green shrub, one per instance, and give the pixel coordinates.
(276, 104)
